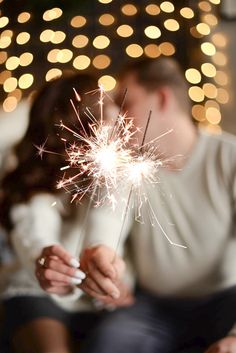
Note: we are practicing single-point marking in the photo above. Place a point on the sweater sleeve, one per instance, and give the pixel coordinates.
(36, 225)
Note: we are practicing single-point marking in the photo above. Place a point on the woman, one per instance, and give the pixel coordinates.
(41, 219)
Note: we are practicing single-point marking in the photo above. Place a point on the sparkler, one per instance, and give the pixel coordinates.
(142, 170)
(101, 160)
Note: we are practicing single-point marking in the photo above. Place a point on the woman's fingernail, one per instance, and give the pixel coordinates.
(74, 263)
(115, 294)
(74, 280)
(79, 274)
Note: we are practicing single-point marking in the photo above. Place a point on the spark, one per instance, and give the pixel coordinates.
(101, 161)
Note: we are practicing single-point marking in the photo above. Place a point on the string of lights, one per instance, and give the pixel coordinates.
(40, 41)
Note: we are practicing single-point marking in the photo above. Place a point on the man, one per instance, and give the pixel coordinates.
(185, 296)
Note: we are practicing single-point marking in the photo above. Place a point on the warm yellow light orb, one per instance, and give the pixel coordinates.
(152, 51)
(167, 6)
(213, 115)
(199, 112)
(221, 78)
(208, 69)
(105, 1)
(134, 50)
(208, 48)
(64, 55)
(193, 76)
(101, 61)
(80, 41)
(108, 82)
(25, 81)
(204, 6)
(101, 42)
(9, 104)
(152, 32)
(167, 48)
(46, 35)
(129, 10)
(125, 31)
(52, 14)
(58, 37)
(5, 41)
(172, 25)
(26, 59)
(186, 12)
(196, 94)
(220, 59)
(53, 73)
(23, 17)
(106, 19)
(3, 21)
(203, 29)
(12, 63)
(78, 21)
(81, 62)
(219, 40)
(10, 84)
(210, 90)
(22, 38)
(152, 9)
(52, 55)
(222, 96)
(3, 57)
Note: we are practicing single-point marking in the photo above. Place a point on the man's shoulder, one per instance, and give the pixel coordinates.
(223, 140)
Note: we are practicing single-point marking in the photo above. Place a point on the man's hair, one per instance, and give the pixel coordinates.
(155, 73)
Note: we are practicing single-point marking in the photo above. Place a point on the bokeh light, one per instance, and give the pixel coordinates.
(187, 12)
(23, 17)
(80, 41)
(152, 51)
(134, 50)
(81, 62)
(153, 9)
(53, 73)
(172, 25)
(129, 10)
(22, 38)
(108, 82)
(106, 19)
(152, 32)
(167, 6)
(101, 42)
(125, 31)
(101, 61)
(25, 81)
(78, 21)
(193, 75)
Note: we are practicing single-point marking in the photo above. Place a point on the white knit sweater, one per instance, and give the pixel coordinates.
(38, 224)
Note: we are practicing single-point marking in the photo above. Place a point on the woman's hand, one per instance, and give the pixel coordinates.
(57, 271)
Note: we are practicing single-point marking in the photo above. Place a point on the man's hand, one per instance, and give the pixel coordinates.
(225, 345)
(57, 271)
(104, 270)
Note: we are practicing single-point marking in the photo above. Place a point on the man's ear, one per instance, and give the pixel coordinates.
(164, 95)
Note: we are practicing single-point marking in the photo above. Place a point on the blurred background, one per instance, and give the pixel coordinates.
(40, 40)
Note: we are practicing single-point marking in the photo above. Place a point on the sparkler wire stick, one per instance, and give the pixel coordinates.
(131, 190)
(84, 224)
(120, 111)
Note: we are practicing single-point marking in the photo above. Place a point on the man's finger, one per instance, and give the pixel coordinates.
(102, 282)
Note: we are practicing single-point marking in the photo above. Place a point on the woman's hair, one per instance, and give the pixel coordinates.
(155, 73)
(50, 106)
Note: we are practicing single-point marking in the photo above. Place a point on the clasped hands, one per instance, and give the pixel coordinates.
(99, 274)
